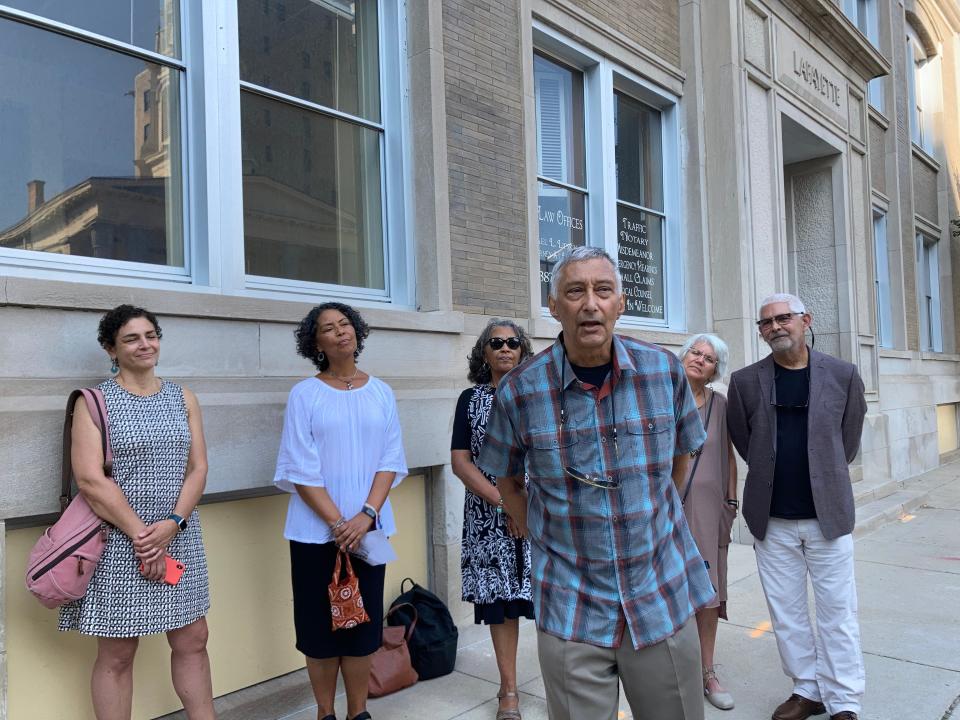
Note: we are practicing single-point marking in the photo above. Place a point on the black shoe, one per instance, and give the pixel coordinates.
(330, 717)
(362, 716)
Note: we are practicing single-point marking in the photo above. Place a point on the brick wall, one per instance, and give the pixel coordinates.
(489, 249)
(653, 24)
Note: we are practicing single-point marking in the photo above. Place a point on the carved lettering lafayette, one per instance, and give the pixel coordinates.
(816, 78)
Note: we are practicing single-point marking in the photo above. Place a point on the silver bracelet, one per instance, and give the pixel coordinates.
(339, 522)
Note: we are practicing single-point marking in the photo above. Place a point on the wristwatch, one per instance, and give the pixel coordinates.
(181, 523)
(371, 512)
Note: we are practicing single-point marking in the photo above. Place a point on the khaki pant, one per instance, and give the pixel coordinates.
(661, 682)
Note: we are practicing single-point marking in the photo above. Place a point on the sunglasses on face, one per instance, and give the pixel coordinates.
(498, 342)
(785, 319)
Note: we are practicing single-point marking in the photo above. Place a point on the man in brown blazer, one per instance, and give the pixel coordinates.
(796, 418)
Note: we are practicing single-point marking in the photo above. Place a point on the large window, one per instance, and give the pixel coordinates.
(561, 163)
(91, 141)
(923, 90)
(864, 14)
(606, 172)
(881, 275)
(928, 291)
(312, 142)
(250, 146)
(640, 213)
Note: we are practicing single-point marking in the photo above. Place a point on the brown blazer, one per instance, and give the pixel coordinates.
(834, 424)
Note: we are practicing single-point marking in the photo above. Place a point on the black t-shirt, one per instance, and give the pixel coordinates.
(792, 497)
(592, 375)
(461, 423)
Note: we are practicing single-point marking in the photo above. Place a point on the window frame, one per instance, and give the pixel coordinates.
(881, 279)
(211, 170)
(928, 292)
(603, 76)
(56, 266)
(865, 15)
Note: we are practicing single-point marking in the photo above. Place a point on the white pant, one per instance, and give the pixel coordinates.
(828, 667)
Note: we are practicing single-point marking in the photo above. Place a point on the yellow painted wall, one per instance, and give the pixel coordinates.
(947, 438)
(251, 615)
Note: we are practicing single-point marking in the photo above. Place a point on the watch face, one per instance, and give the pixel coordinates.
(370, 513)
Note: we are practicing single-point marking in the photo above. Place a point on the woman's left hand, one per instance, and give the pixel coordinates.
(349, 535)
(151, 543)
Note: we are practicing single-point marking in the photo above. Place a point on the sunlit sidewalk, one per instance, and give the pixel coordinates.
(908, 579)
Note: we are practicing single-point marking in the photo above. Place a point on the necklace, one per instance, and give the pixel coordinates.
(347, 381)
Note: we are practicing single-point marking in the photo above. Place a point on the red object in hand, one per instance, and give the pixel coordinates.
(173, 572)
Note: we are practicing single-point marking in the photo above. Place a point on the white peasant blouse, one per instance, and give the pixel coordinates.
(338, 440)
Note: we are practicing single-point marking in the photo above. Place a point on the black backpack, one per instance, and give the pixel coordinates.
(433, 646)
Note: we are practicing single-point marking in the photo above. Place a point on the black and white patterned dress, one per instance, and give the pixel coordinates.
(495, 567)
(150, 438)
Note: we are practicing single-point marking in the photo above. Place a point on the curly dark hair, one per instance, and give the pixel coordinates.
(479, 370)
(115, 319)
(306, 332)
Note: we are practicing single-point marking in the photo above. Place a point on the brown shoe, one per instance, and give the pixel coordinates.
(844, 715)
(797, 707)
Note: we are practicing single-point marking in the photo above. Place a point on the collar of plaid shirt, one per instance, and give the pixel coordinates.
(604, 560)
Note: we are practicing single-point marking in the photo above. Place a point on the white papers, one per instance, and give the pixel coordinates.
(375, 549)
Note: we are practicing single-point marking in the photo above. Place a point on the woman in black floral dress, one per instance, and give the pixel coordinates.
(495, 562)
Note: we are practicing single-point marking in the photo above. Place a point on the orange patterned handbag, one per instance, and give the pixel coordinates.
(346, 604)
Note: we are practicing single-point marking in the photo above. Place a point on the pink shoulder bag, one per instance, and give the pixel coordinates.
(64, 558)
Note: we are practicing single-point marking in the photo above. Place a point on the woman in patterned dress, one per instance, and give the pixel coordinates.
(495, 559)
(159, 472)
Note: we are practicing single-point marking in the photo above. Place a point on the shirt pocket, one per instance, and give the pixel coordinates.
(650, 441)
(550, 448)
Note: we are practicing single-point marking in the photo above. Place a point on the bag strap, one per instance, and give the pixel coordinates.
(404, 582)
(97, 408)
(696, 461)
(412, 625)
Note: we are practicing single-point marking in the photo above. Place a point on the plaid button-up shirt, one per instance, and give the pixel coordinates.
(602, 558)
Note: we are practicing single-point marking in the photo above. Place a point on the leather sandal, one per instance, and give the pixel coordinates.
(511, 714)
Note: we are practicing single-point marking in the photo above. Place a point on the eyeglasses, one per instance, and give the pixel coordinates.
(594, 479)
(610, 482)
(498, 342)
(785, 319)
(802, 405)
(706, 358)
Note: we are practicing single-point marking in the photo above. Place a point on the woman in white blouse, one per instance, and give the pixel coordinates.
(340, 454)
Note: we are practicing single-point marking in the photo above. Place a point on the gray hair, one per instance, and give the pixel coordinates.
(581, 254)
(796, 304)
(720, 349)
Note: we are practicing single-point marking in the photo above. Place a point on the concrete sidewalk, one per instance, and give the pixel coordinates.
(908, 578)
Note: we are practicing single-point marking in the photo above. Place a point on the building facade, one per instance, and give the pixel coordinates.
(230, 164)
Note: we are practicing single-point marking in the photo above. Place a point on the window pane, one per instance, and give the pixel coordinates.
(639, 157)
(323, 51)
(311, 196)
(640, 256)
(560, 151)
(562, 225)
(86, 169)
(148, 24)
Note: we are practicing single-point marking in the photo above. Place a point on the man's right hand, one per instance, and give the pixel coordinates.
(515, 505)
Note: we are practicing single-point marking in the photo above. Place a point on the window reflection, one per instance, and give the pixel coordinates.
(148, 24)
(639, 153)
(562, 218)
(323, 51)
(311, 196)
(90, 150)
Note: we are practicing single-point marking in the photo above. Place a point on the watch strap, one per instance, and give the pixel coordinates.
(181, 523)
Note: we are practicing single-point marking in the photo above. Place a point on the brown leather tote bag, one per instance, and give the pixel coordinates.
(391, 669)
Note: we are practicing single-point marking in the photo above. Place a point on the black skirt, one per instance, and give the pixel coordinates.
(311, 569)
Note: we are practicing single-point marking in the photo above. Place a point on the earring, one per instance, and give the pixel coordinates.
(321, 356)
(114, 367)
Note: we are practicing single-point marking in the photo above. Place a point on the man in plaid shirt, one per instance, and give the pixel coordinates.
(604, 426)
